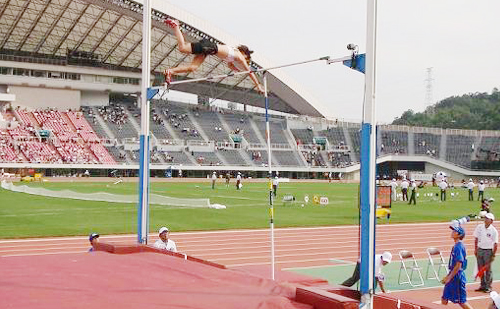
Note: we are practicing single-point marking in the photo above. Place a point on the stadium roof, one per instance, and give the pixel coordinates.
(110, 32)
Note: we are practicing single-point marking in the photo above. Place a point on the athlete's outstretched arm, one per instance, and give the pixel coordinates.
(252, 75)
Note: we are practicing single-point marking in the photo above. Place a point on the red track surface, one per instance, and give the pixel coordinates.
(294, 247)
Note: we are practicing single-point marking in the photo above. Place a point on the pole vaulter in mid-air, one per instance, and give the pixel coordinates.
(237, 58)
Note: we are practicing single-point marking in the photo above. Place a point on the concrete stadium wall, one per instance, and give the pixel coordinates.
(41, 98)
(94, 98)
(432, 169)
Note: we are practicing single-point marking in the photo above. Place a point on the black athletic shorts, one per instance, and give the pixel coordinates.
(204, 47)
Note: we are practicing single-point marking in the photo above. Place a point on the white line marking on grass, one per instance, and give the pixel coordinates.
(31, 215)
(235, 197)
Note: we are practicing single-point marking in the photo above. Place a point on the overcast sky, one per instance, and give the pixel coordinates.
(459, 39)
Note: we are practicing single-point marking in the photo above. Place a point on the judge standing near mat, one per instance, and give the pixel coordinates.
(485, 249)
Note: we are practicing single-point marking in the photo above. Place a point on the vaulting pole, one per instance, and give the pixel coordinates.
(270, 185)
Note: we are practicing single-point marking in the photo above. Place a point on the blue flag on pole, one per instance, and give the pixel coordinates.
(152, 93)
(358, 64)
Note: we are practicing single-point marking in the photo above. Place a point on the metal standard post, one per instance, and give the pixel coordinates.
(271, 207)
(368, 162)
(143, 205)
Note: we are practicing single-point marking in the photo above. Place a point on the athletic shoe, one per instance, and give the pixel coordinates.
(487, 291)
(168, 76)
(480, 290)
(172, 23)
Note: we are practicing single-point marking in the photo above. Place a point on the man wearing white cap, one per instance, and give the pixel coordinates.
(164, 242)
(443, 186)
(495, 301)
(404, 189)
(413, 188)
(471, 186)
(214, 178)
(380, 260)
(394, 186)
(480, 190)
(485, 249)
(238, 181)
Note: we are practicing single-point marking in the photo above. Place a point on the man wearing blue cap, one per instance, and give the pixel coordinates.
(454, 289)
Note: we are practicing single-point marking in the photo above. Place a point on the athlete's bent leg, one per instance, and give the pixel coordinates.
(195, 64)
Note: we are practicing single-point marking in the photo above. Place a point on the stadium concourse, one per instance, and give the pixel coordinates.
(224, 269)
(194, 135)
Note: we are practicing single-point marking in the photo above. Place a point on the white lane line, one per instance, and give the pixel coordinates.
(436, 287)
(468, 298)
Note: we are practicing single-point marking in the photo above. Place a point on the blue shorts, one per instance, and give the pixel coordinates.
(455, 290)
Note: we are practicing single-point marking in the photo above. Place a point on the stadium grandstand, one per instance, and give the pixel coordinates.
(69, 97)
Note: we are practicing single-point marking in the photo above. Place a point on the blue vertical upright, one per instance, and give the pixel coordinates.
(368, 162)
(143, 204)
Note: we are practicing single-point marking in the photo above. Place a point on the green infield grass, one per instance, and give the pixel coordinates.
(23, 215)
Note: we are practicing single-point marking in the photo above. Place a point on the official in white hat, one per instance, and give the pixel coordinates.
(164, 242)
(380, 261)
(486, 241)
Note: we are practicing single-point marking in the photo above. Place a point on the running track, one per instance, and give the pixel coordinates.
(294, 247)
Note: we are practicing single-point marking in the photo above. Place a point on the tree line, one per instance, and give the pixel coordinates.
(474, 111)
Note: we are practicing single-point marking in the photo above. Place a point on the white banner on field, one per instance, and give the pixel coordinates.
(421, 177)
(106, 197)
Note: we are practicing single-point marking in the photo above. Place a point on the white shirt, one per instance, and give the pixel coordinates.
(404, 184)
(443, 185)
(470, 185)
(170, 245)
(238, 177)
(275, 182)
(481, 187)
(378, 267)
(393, 185)
(486, 237)
(214, 177)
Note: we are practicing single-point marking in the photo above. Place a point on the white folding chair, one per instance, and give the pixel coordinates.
(435, 260)
(408, 263)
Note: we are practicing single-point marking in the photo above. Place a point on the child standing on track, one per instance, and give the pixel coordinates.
(454, 289)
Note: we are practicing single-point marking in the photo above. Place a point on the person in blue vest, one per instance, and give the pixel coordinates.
(454, 289)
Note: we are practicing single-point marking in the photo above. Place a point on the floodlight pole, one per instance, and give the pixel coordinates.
(143, 205)
(368, 163)
(270, 176)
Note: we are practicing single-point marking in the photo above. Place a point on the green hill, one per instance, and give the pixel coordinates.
(475, 111)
